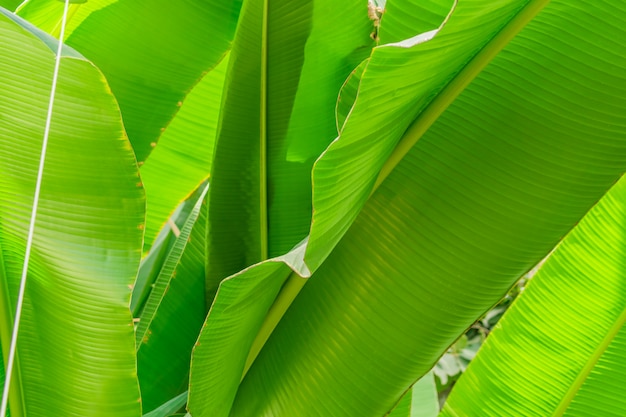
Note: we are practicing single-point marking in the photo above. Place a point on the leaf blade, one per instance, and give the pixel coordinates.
(76, 327)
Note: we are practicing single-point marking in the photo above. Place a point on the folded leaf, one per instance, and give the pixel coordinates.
(288, 63)
(169, 325)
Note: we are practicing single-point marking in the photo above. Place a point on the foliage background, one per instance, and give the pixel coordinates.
(369, 199)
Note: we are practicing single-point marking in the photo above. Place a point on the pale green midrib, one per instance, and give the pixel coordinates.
(264, 333)
(438, 105)
(16, 402)
(291, 288)
(591, 363)
(56, 31)
(263, 209)
(455, 87)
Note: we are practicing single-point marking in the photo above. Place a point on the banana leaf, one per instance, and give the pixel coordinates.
(151, 65)
(171, 319)
(75, 350)
(183, 158)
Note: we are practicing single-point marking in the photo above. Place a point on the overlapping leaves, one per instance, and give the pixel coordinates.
(450, 168)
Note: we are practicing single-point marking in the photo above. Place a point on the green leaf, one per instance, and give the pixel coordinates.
(76, 342)
(413, 82)
(129, 59)
(47, 14)
(605, 380)
(463, 202)
(301, 117)
(532, 364)
(348, 94)
(405, 19)
(238, 177)
(424, 401)
(231, 251)
(263, 161)
(171, 320)
(169, 407)
(151, 265)
(149, 269)
(403, 408)
(166, 274)
(239, 308)
(185, 152)
(2, 372)
(50, 42)
(329, 219)
(10, 4)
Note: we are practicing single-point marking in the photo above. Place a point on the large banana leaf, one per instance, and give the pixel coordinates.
(488, 190)
(152, 52)
(560, 349)
(406, 244)
(152, 264)
(259, 201)
(76, 342)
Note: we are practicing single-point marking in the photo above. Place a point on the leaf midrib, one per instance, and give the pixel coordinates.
(263, 212)
(590, 365)
(457, 85)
